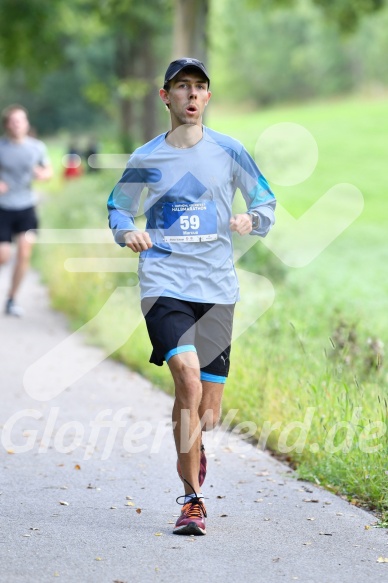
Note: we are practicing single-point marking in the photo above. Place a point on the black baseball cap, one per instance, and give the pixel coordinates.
(176, 66)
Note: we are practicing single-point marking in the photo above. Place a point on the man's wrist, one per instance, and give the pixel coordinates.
(255, 219)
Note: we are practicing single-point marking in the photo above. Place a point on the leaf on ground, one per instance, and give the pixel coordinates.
(223, 515)
(113, 508)
(311, 518)
(259, 500)
(219, 497)
(128, 498)
(56, 574)
(10, 451)
(158, 534)
(265, 473)
(129, 504)
(77, 467)
(382, 560)
(98, 559)
(138, 510)
(63, 503)
(367, 527)
(314, 500)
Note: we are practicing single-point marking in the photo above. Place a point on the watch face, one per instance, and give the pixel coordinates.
(255, 221)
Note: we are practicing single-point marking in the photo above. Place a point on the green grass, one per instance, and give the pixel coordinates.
(310, 349)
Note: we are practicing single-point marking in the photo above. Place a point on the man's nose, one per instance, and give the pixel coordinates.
(193, 91)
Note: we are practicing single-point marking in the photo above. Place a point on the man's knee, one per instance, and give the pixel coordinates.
(5, 253)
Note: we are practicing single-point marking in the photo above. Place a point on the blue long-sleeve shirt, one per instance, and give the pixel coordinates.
(188, 207)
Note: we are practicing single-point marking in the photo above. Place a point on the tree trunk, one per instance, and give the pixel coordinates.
(149, 109)
(124, 71)
(190, 29)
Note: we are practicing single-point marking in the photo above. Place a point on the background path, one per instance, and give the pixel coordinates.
(82, 505)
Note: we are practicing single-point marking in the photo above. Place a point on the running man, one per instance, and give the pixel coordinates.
(187, 278)
(22, 160)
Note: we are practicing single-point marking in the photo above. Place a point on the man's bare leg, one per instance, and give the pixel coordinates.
(22, 262)
(184, 368)
(210, 407)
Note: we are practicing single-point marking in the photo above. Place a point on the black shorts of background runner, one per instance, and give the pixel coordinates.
(14, 222)
(176, 325)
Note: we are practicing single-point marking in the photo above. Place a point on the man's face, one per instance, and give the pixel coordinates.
(17, 125)
(187, 98)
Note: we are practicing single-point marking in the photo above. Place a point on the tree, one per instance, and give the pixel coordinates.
(190, 29)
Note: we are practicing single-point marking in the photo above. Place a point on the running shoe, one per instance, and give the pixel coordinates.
(192, 518)
(202, 467)
(12, 309)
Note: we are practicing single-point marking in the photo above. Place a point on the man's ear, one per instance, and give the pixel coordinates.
(164, 96)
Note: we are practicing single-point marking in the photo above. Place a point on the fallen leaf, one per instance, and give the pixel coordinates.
(306, 544)
(129, 504)
(63, 503)
(339, 514)
(382, 560)
(259, 500)
(219, 497)
(223, 515)
(10, 451)
(128, 498)
(98, 559)
(138, 510)
(367, 527)
(56, 574)
(158, 534)
(311, 518)
(314, 500)
(77, 467)
(113, 508)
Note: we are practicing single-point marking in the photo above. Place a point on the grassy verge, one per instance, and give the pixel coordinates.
(308, 374)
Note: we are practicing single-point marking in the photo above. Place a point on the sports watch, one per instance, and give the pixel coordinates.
(255, 219)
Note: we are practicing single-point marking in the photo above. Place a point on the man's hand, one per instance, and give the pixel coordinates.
(3, 187)
(138, 240)
(241, 223)
(42, 172)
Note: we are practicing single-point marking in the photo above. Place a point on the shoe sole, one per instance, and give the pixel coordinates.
(191, 528)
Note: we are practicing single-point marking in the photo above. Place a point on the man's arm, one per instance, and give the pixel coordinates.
(259, 198)
(123, 206)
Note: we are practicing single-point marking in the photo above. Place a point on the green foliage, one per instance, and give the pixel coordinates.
(30, 35)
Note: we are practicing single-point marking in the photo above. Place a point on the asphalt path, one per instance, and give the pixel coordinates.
(88, 481)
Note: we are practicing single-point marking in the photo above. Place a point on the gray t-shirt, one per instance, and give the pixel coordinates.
(17, 161)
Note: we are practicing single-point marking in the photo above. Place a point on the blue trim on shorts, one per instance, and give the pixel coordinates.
(179, 350)
(212, 378)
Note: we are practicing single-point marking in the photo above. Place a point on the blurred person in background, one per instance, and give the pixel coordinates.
(23, 159)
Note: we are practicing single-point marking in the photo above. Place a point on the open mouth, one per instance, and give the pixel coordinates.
(191, 109)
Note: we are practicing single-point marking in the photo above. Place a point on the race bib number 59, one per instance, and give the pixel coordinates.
(190, 222)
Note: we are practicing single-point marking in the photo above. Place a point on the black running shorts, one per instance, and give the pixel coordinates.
(14, 222)
(176, 326)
